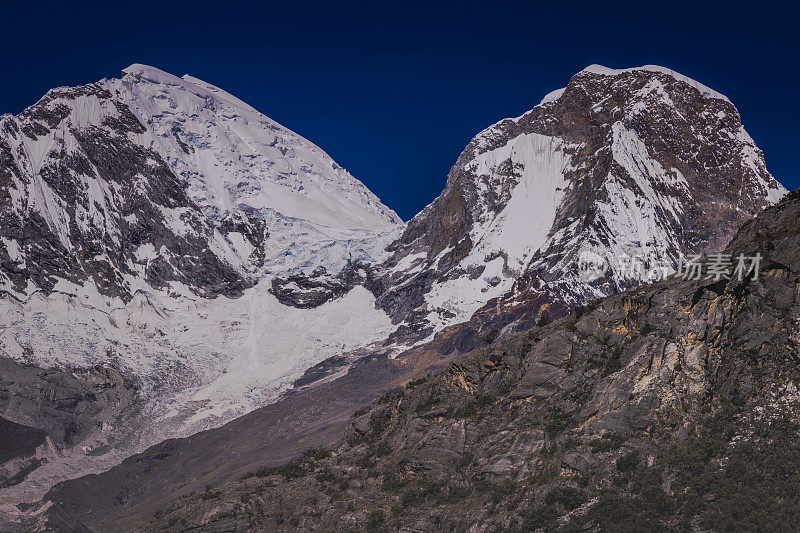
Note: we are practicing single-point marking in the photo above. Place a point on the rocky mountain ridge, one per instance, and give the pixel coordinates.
(640, 163)
(142, 220)
(671, 407)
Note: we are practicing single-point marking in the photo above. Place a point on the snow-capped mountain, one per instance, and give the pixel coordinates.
(170, 258)
(143, 220)
(170, 179)
(641, 163)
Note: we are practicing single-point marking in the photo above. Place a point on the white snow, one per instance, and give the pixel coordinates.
(272, 345)
(504, 243)
(633, 219)
(411, 263)
(552, 96)
(237, 156)
(605, 71)
(200, 362)
(12, 248)
(752, 157)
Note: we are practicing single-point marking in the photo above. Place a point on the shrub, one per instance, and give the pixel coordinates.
(558, 421)
(607, 443)
(375, 520)
(414, 383)
(628, 462)
(568, 497)
(490, 337)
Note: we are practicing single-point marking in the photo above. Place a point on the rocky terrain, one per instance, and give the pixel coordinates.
(674, 406)
(172, 260)
(142, 222)
(639, 163)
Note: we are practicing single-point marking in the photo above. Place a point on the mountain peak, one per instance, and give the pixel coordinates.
(704, 90)
(640, 162)
(194, 85)
(145, 217)
(601, 70)
(151, 73)
(194, 162)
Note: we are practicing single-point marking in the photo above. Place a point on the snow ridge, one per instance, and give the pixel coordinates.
(233, 155)
(605, 71)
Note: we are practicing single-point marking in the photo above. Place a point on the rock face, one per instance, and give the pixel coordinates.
(142, 223)
(55, 411)
(306, 291)
(82, 201)
(674, 405)
(171, 259)
(153, 179)
(640, 163)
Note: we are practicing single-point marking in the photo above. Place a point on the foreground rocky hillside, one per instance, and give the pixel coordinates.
(674, 406)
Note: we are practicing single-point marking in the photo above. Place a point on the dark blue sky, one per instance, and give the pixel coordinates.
(394, 91)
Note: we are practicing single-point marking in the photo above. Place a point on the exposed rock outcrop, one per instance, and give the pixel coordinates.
(640, 163)
(674, 405)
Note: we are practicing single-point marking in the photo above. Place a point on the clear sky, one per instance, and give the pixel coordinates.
(393, 91)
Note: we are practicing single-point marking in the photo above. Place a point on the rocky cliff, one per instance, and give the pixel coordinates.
(637, 167)
(670, 407)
